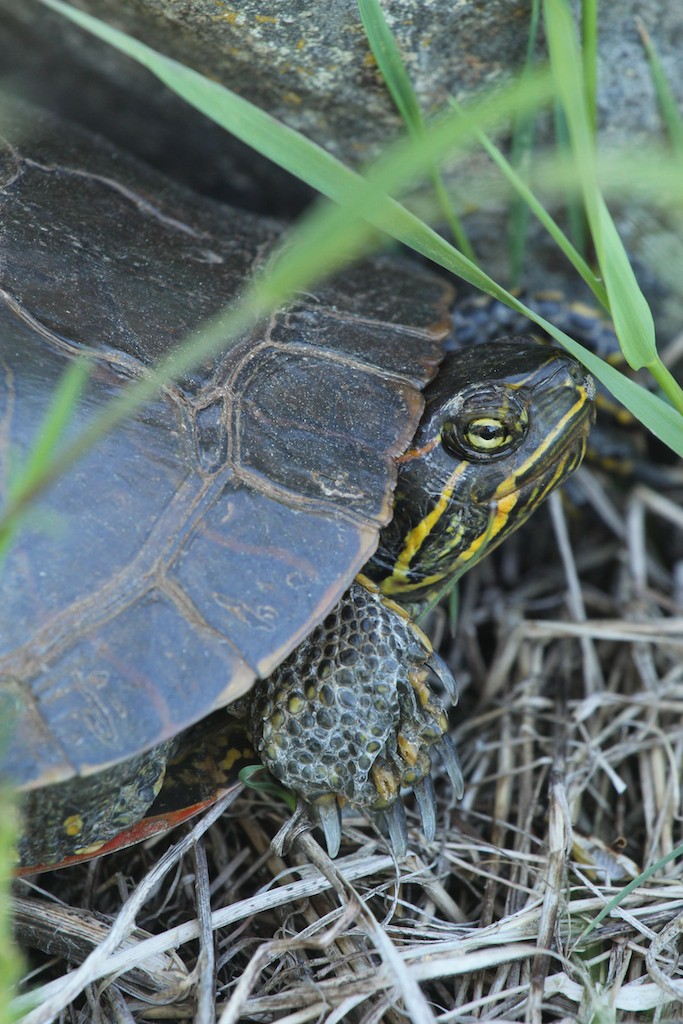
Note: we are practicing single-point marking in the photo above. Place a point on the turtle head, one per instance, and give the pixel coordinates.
(504, 424)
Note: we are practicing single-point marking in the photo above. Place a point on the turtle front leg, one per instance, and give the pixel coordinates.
(350, 716)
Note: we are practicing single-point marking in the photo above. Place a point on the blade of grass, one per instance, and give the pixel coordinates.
(673, 122)
(397, 81)
(539, 211)
(655, 177)
(635, 883)
(631, 314)
(565, 62)
(576, 215)
(57, 417)
(11, 961)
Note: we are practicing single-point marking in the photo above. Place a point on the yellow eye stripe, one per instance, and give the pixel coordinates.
(558, 431)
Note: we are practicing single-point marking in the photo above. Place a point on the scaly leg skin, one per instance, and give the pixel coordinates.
(349, 716)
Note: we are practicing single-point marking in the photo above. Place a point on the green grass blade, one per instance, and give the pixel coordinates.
(655, 176)
(673, 122)
(635, 883)
(22, 486)
(539, 211)
(668, 383)
(636, 336)
(397, 80)
(391, 64)
(566, 65)
(573, 200)
(11, 962)
(630, 311)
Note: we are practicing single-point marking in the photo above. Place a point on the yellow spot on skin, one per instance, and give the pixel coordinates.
(292, 97)
(234, 755)
(73, 826)
(266, 19)
(417, 681)
(409, 751)
(385, 783)
(85, 851)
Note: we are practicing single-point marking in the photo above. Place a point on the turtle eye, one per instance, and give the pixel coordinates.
(485, 435)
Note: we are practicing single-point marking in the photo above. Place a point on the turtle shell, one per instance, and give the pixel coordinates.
(197, 545)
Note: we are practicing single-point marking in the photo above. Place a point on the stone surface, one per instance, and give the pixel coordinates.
(311, 65)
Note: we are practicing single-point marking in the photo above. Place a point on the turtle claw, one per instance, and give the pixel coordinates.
(394, 817)
(444, 675)
(426, 801)
(451, 762)
(329, 817)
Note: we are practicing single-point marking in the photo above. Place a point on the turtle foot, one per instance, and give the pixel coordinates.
(351, 716)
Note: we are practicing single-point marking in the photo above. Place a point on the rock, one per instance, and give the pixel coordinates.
(306, 64)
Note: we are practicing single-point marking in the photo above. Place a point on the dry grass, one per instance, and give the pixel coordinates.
(570, 725)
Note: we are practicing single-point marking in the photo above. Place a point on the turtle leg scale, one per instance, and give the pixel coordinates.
(350, 716)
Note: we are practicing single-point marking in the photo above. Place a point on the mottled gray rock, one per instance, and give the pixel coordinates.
(309, 63)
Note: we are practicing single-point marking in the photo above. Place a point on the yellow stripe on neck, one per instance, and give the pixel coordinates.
(415, 537)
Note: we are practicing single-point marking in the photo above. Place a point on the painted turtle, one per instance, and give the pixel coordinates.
(220, 530)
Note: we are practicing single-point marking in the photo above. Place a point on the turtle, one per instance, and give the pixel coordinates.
(207, 555)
